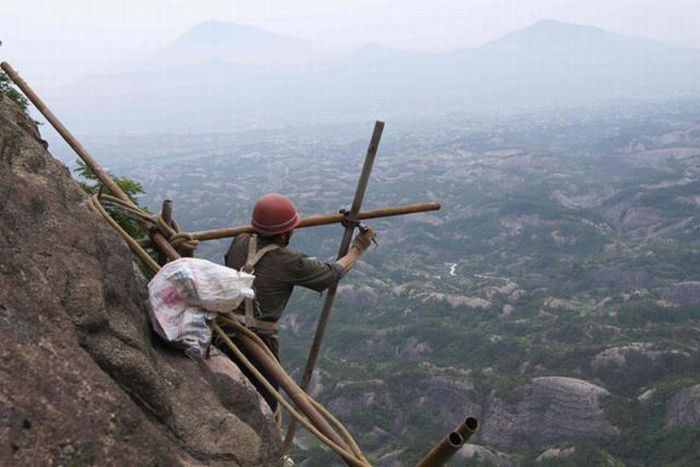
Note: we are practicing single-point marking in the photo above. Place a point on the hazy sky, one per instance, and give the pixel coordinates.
(53, 41)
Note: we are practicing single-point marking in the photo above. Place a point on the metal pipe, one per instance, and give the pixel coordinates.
(83, 153)
(443, 451)
(449, 445)
(342, 251)
(467, 428)
(321, 219)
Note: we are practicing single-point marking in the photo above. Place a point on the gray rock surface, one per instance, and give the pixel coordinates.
(555, 453)
(550, 409)
(685, 293)
(683, 408)
(617, 356)
(474, 452)
(83, 380)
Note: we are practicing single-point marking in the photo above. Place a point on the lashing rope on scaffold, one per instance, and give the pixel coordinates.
(354, 456)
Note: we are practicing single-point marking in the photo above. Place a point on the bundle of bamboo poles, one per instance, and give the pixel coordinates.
(313, 416)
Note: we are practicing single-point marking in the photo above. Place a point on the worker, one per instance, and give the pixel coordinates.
(277, 270)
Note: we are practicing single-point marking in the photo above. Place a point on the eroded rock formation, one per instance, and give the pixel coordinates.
(486, 456)
(552, 409)
(83, 380)
(683, 409)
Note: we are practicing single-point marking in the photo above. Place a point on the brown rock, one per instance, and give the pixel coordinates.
(83, 381)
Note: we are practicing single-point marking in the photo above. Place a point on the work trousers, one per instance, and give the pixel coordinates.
(273, 344)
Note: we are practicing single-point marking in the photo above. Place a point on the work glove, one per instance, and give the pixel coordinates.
(363, 239)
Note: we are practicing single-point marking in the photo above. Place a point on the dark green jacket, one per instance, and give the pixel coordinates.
(278, 272)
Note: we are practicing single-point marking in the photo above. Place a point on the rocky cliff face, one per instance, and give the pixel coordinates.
(83, 380)
(683, 409)
(553, 409)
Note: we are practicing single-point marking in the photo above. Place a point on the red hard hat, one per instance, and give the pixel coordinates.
(274, 214)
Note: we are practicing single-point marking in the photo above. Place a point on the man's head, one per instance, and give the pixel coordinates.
(274, 215)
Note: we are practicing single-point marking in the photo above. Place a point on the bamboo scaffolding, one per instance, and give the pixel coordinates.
(320, 219)
(83, 153)
(442, 451)
(352, 219)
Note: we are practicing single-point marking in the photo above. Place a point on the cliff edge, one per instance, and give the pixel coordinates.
(83, 380)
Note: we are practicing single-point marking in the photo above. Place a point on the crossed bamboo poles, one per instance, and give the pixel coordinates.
(347, 449)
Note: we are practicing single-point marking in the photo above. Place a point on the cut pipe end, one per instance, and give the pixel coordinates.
(455, 439)
(467, 428)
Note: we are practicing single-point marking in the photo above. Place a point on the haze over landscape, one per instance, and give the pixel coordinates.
(221, 76)
(207, 66)
(554, 296)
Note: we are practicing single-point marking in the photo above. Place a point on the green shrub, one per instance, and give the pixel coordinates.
(133, 189)
(9, 90)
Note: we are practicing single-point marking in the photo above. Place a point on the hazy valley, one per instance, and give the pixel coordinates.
(555, 295)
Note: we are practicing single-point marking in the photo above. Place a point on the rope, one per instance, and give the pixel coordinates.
(354, 457)
(126, 208)
(345, 434)
(182, 238)
(94, 203)
(170, 231)
(350, 458)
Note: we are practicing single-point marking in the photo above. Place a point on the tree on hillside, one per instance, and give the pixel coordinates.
(133, 189)
(9, 90)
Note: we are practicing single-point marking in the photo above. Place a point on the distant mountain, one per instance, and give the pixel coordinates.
(373, 52)
(220, 40)
(220, 34)
(550, 34)
(244, 74)
(554, 62)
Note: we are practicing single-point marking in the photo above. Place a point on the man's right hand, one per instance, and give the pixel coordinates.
(363, 239)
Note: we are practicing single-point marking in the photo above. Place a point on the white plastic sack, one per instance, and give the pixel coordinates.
(187, 293)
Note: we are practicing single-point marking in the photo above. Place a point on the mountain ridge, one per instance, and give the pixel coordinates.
(213, 31)
(234, 42)
(546, 64)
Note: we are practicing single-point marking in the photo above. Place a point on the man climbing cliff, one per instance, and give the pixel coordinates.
(277, 270)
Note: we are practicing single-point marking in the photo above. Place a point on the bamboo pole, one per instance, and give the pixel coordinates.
(166, 211)
(83, 153)
(299, 397)
(352, 456)
(342, 251)
(320, 219)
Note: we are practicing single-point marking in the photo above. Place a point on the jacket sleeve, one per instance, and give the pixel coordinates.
(236, 255)
(312, 273)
